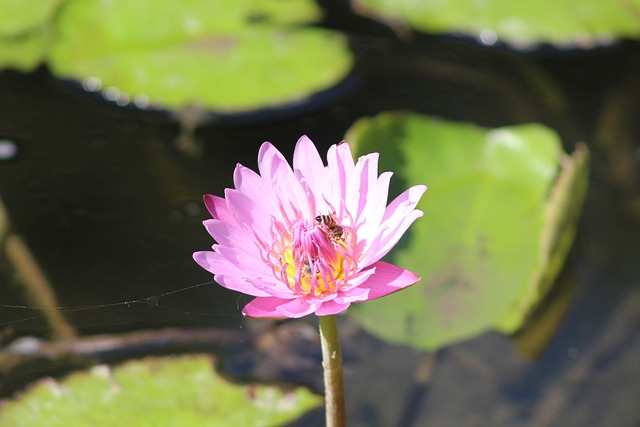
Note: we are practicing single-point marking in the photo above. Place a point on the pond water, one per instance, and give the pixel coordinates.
(108, 204)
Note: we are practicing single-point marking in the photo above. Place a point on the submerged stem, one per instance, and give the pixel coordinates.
(333, 377)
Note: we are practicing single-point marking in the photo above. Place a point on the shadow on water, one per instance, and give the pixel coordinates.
(110, 209)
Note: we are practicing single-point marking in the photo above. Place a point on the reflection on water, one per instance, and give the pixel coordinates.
(110, 208)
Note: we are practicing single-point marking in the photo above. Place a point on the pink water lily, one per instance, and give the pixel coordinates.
(308, 239)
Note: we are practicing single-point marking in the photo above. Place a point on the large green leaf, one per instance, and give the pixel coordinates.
(25, 52)
(19, 16)
(178, 391)
(25, 32)
(520, 23)
(223, 55)
(494, 232)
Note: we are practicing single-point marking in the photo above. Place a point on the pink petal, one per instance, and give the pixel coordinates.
(387, 279)
(331, 307)
(376, 205)
(247, 212)
(215, 263)
(296, 308)
(399, 215)
(353, 295)
(278, 308)
(227, 234)
(391, 236)
(257, 189)
(226, 273)
(277, 289)
(286, 186)
(246, 262)
(357, 279)
(404, 203)
(270, 160)
(217, 207)
(340, 167)
(308, 165)
(344, 157)
(363, 186)
(264, 308)
(239, 284)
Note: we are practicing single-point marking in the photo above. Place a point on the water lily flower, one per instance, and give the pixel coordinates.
(308, 239)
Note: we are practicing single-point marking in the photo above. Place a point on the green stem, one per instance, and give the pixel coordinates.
(332, 365)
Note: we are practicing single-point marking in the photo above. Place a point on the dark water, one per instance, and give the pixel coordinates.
(110, 207)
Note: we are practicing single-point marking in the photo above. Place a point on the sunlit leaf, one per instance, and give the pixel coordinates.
(229, 56)
(24, 53)
(520, 23)
(179, 391)
(488, 246)
(19, 16)
(25, 32)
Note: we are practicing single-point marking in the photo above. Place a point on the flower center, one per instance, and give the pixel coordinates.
(312, 257)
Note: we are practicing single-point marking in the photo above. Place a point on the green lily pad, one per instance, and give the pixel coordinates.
(24, 53)
(499, 219)
(519, 23)
(25, 32)
(170, 391)
(19, 17)
(227, 56)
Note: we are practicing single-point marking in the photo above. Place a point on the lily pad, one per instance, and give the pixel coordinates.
(227, 56)
(522, 24)
(170, 391)
(19, 17)
(499, 219)
(24, 53)
(25, 32)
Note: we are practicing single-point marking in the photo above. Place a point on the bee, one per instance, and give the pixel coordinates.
(328, 224)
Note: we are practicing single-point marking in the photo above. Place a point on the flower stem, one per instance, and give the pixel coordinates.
(332, 365)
